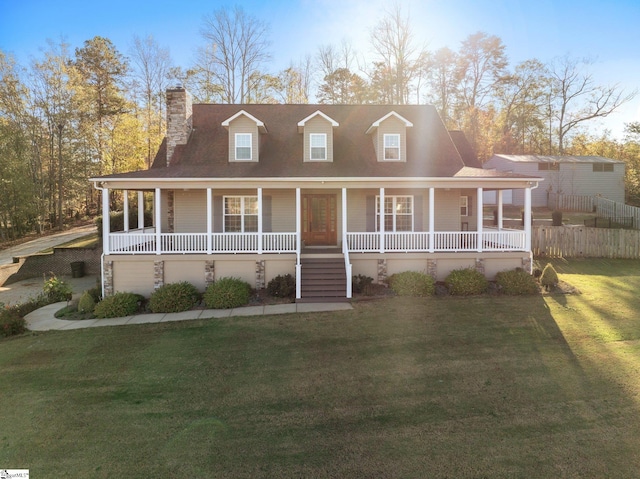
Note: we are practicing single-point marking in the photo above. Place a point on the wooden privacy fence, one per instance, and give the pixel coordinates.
(570, 202)
(582, 241)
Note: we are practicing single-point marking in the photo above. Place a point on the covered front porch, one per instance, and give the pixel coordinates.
(319, 221)
(218, 220)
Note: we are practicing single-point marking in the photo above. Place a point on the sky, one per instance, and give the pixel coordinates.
(605, 32)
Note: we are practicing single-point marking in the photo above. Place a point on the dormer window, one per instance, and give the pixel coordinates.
(389, 135)
(318, 142)
(317, 129)
(244, 132)
(243, 146)
(392, 146)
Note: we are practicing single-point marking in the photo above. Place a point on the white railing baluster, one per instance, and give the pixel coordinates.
(144, 242)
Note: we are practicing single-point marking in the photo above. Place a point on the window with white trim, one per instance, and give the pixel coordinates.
(243, 146)
(398, 213)
(318, 145)
(464, 206)
(240, 214)
(391, 146)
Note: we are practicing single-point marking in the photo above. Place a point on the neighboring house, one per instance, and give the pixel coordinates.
(255, 191)
(567, 175)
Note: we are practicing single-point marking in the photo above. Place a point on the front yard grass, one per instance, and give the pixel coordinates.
(440, 387)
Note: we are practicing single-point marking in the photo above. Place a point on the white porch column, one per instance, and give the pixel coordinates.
(125, 207)
(479, 224)
(527, 219)
(141, 210)
(105, 221)
(432, 219)
(381, 220)
(500, 207)
(345, 245)
(298, 245)
(259, 220)
(158, 216)
(209, 221)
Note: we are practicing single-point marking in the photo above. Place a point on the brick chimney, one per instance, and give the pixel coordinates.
(179, 114)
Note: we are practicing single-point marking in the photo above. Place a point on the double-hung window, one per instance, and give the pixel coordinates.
(392, 146)
(318, 142)
(240, 214)
(243, 146)
(398, 213)
(464, 206)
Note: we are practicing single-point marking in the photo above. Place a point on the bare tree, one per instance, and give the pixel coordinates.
(577, 98)
(236, 48)
(152, 65)
(396, 55)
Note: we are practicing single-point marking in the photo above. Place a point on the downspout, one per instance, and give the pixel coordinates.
(531, 230)
(100, 189)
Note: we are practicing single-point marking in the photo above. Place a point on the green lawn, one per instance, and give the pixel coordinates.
(486, 387)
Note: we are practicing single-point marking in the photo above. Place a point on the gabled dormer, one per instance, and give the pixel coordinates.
(244, 136)
(317, 129)
(389, 135)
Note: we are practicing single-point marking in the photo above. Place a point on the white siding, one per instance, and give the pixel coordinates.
(575, 178)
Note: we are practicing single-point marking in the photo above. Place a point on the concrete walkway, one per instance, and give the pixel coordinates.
(43, 319)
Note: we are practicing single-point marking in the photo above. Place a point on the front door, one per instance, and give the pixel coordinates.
(319, 220)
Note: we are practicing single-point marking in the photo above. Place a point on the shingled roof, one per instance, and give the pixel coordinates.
(430, 151)
(467, 153)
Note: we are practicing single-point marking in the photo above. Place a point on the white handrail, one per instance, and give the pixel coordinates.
(491, 240)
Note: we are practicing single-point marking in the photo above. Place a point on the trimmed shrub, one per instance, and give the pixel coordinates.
(11, 323)
(86, 304)
(227, 293)
(412, 283)
(174, 297)
(282, 286)
(57, 290)
(96, 294)
(361, 284)
(516, 282)
(118, 305)
(465, 282)
(549, 278)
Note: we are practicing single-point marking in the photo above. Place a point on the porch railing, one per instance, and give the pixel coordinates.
(138, 241)
(182, 243)
(135, 242)
(491, 240)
